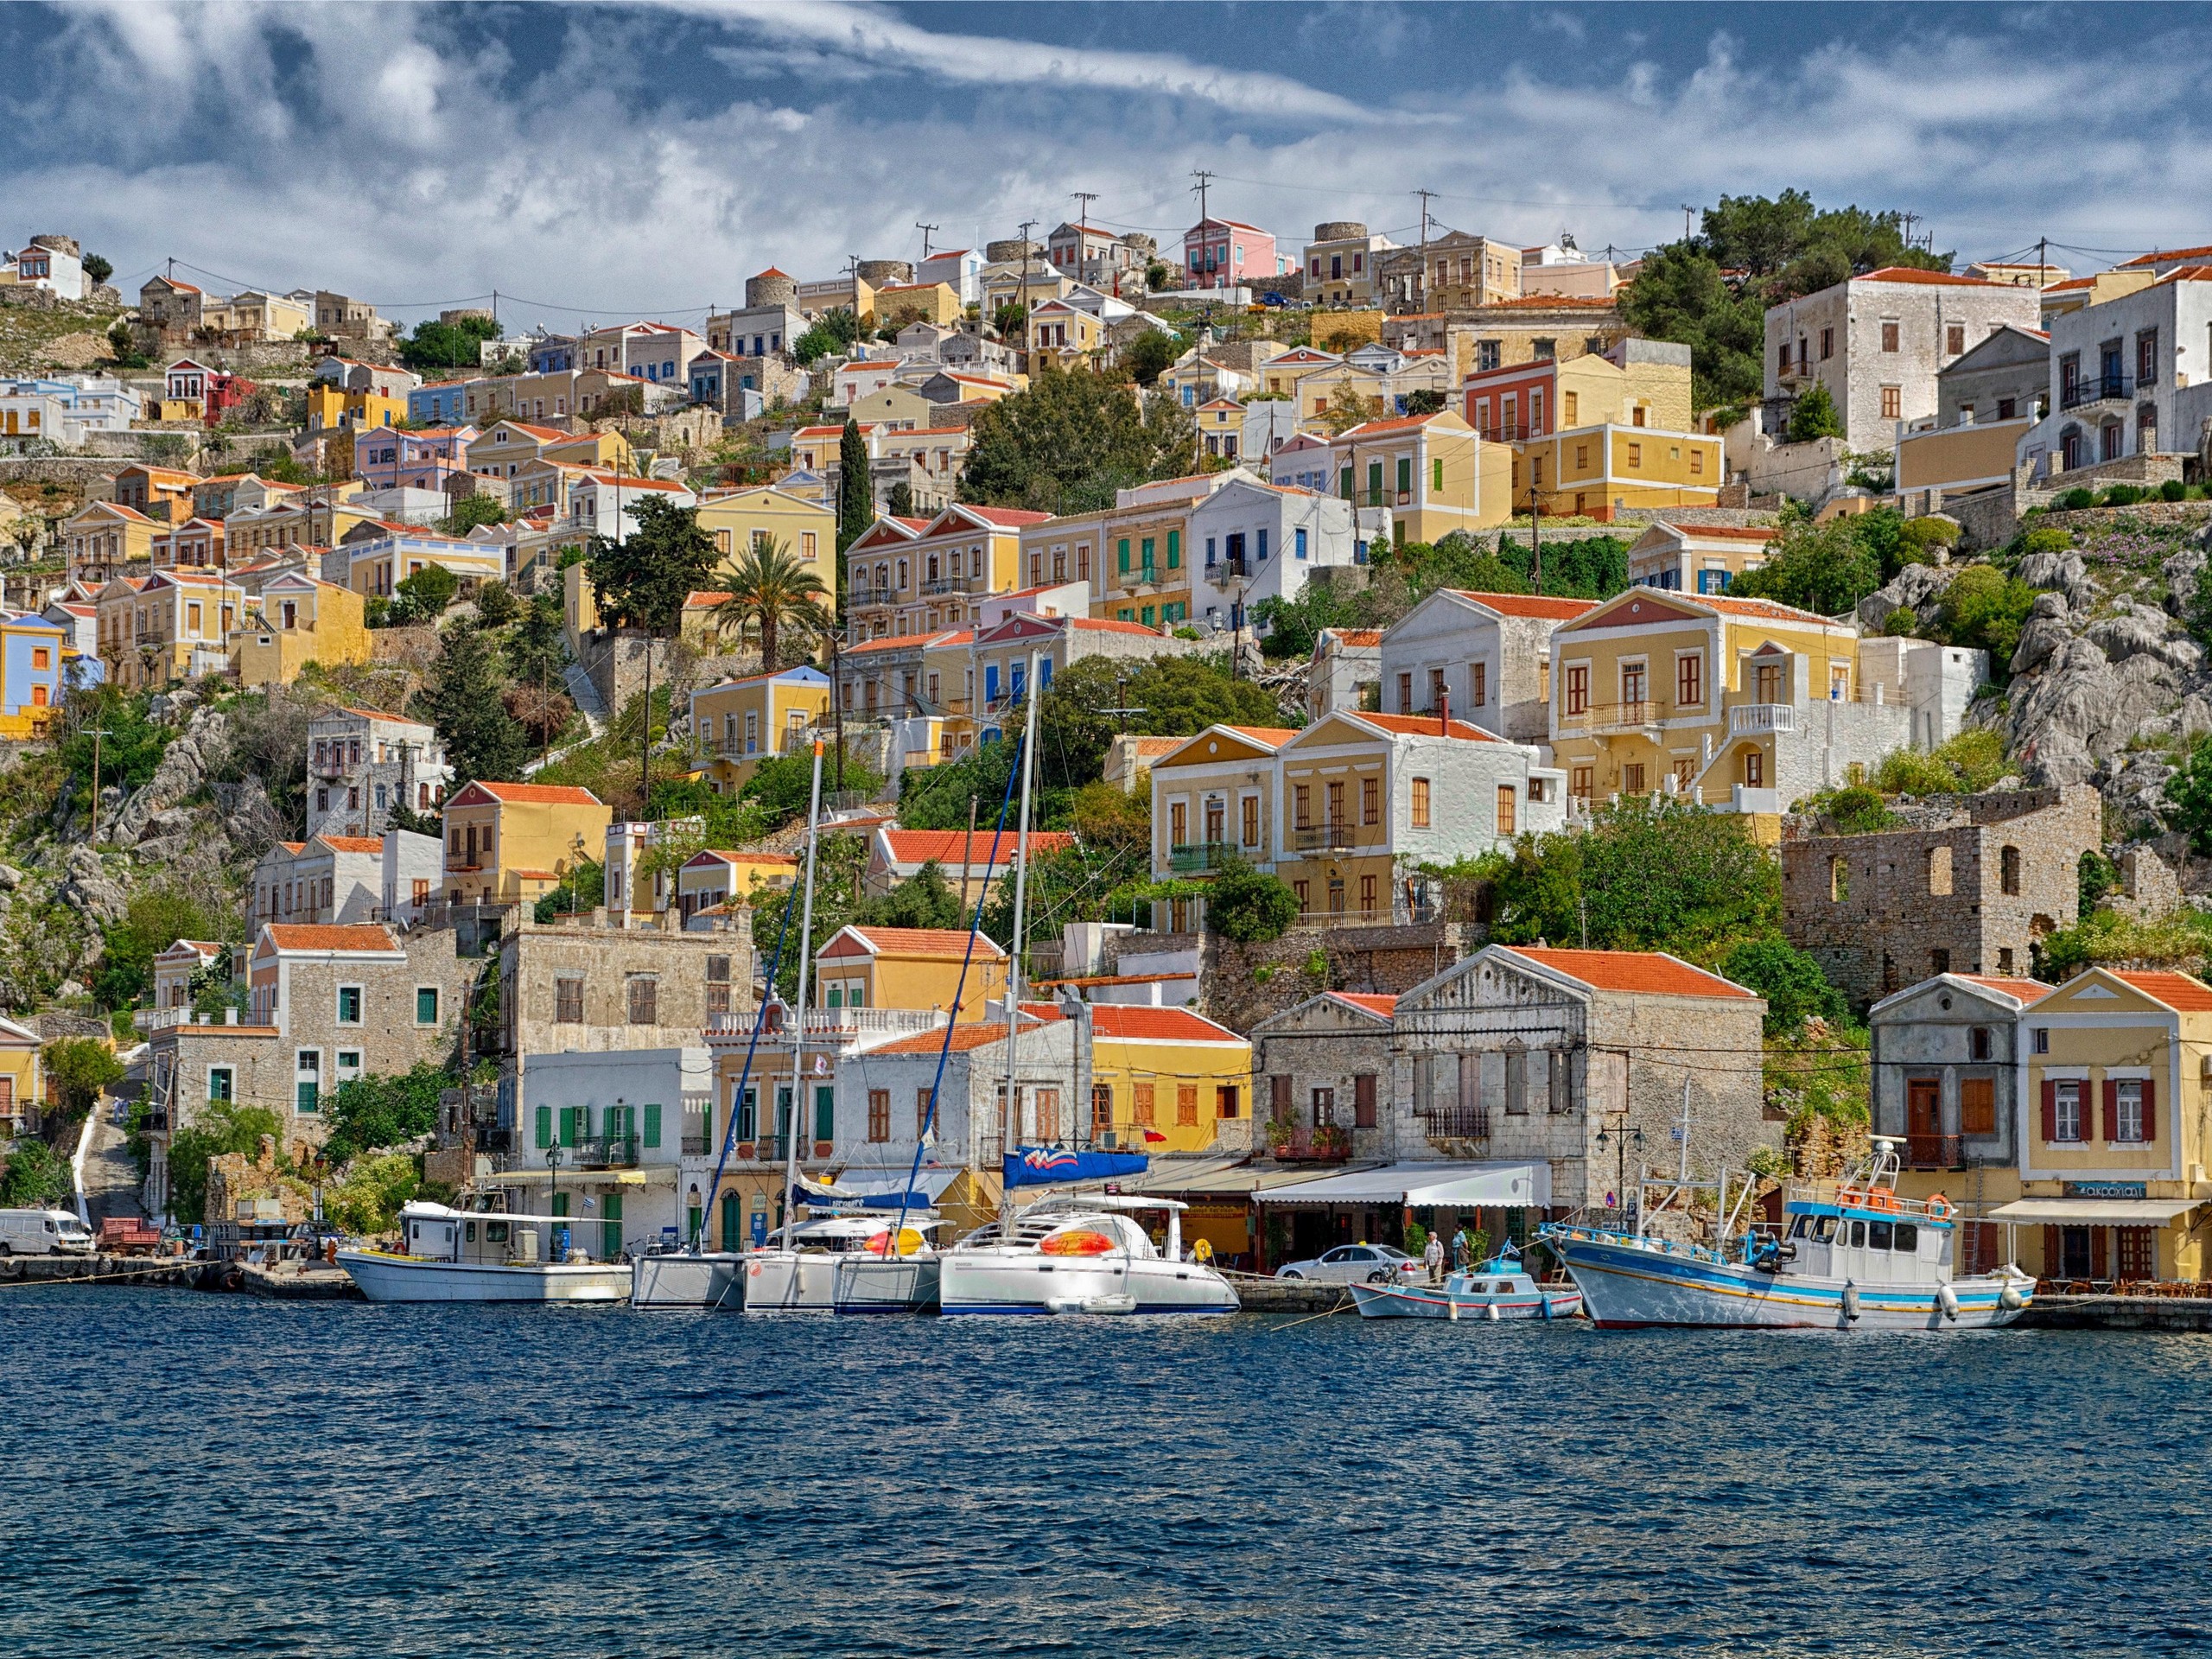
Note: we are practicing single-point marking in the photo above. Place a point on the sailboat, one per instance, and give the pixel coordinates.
(1074, 1252)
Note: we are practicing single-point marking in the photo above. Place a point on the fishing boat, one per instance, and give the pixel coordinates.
(1080, 1253)
(802, 1275)
(468, 1255)
(1500, 1288)
(1851, 1255)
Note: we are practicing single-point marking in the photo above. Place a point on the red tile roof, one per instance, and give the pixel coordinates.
(2157, 256)
(352, 844)
(288, 935)
(1731, 532)
(920, 845)
(1368, 1002)
(1006, 516)
(925, 941)
(1117, 1023)
(977, 1034)
(1107, 625)
(1530, 604)
(1766, 609)
(2177, 991)
(1357, 636)
(538, 794)
(1427, 726)
(1936, 278)
(2023, 991)
(1652, 971)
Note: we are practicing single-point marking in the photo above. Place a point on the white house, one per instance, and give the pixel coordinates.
(607, 504)
(57, 270)
(960, 270)
(1487, 655)
(1260, 541)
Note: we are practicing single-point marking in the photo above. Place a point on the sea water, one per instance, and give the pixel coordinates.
(195, 1475)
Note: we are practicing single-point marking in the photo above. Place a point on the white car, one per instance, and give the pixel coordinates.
(1353, 1264)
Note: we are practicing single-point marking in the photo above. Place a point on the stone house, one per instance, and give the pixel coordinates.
(1969, 893)
(361, 762)
(1947, 1063)
(585, 986)
(1320, 1071)
(1485, 656)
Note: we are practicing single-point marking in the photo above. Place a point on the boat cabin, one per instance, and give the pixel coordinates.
(495, 1238)
(1872, 1238)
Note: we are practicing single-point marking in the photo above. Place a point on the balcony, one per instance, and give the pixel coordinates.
(2096, 389)
(1222, 571)
(1934, 1152)
(1758, 719)
(1328, 838)
(939, 586)
(1325, 1144)
(832, 1023)
(1456, 1122)
(1601, 718)
(697, 1146)
(1195, 857)
(604, 1151)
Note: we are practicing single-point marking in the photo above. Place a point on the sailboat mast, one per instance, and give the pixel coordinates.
(799, 1014)
(1010, 1112)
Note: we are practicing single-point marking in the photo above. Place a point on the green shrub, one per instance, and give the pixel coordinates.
(2075, 499)
(1858, 811)
(2047, 541)
(1985, 610)
(2122, 495)
(1924, 535)
(1249, 906)
(1901, 622)
(2098, 876)
(1795, 989)
(1971, 761)
(2173, 490)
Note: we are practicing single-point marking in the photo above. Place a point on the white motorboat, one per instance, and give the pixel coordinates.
(801, 1277)
(1500, 1288)
(712, 1279)
(1079, 1253)
(466, 1255)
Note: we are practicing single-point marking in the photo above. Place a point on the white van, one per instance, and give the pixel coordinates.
(44, 1232)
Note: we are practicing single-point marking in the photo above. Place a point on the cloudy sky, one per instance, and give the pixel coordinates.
(592, 161)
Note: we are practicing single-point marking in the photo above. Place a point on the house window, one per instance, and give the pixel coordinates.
(2127, 1125)
(307, 1079)
(426, 1005)
(2008, 864)
(2042, 1039)
(1436, 690)
(1186, 1105)
(1888, 334)
(1405, 694)
(1754, 769)
(1301, 805)
(1632, 778)
(569, 1001)
(1420, 803)
(1370, 800)
(645, 999)
(1578, 689)
(2066, 1111)
(1892, 403)
(1636, 454)
(1251, 821)
(1689, 679)
(349, 1005)
(879, 1112)
(1827, 344)
(1977, 1105)
(221, 1083)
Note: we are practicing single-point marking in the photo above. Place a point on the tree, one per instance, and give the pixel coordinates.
(642, 581)
(156, 919)
(472, 510)
(1249, 906)
(925, 899)
(1291, 626)
(831, 333)
(422, 597)
(856, 486)
(482, 740)
(1150, 355)
(455, 345)
(1651, 873)
(98, 267)
(82, 1069)
(2189, 797)
(1791, 982)
(1813, 415)
(538, 647)
(782, 784)
(1009, 318)
(35, 1176)
(129, 750)
(1071, 440)
(767, 591)
(496, 604)
(365, 1114)
(1575, 566)
(218, 1128)
(1347, 409)
(1428, 401)
(1983, 609)
(900, 503)
(1826, 568)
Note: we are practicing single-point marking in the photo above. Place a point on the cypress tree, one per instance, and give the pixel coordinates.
(856, 496)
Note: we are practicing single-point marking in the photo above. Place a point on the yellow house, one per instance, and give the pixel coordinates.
(335, 407)
(22, 1075)
(1164, 1079)
(900, 303)
(1695, 692)
(742, 518)
(716, 877)
(2113, 1158)
(297, 620)
(513, 843)
(101, 538)
(1136, 555)
(378, 561)
(1062, 333)
(505, 445)
(170, 626)
(910, 968)
(1282, 376)
(907, 580)
(1638, 383)
(1431, 471)
(740, 723)
(1594, 469)
(894, 408)
(1698, 558)
(1213, 800)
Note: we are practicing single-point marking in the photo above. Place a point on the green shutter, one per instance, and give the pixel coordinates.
(1148, 614)
(569, 1126)
(1174, 550)
(1147, 559)
(825, 1111)
(731, 1216)
(1344, 482)
(544, 1127)
(652, 1125)
(426, 1005)
(1122, 553)
(1405, 474)
(1374, 483)
(1436, 473)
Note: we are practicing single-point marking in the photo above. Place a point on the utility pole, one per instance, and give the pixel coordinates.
(1023, 298)
(98, 732)
(1083, 200)
(926, 230)
(1422, 282)
(1690, 214)
(1204, 178)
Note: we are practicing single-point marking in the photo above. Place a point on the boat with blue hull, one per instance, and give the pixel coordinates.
(1500, 1288)
(1850, 1254)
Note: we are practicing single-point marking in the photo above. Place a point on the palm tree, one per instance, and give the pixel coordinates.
(767, 591)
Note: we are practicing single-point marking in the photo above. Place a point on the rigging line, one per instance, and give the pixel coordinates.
(737, 1095)
(959, 993)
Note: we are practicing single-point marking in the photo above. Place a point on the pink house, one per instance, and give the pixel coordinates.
(1221, 253)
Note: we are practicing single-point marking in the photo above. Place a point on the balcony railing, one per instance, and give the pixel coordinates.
(1321, 838)
(1327, 1145)
(1228, 570)
(1189, 857)
(1933, 1152)
(604, 1151)
(835, 1023)
(1750, 719)
(939, 585)
(1626, 716)
(1507, 432)
(2093, 388)
(1456, 1122)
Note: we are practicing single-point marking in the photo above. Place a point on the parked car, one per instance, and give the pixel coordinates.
(43, 1232)
(1349, 1264)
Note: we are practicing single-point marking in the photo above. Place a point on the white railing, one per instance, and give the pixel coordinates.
(1748, 719)
(833, 1022)
(161, 1019)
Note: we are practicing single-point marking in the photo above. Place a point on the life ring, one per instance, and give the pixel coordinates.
(1939, 1206)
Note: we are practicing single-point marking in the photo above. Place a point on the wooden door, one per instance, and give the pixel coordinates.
(1924, 1119)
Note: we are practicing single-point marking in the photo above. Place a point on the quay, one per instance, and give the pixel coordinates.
(2108, 1313)
(27, 1270)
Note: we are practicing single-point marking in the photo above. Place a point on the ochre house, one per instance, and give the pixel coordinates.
(514, 844)
(740, 723)
(910, 968)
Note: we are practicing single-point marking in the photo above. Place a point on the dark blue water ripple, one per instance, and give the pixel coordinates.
(193, 1475)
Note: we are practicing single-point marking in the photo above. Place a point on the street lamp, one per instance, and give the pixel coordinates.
(553, 1198)
(1619, 1139)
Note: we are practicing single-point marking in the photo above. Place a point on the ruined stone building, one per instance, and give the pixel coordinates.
(1967, 893)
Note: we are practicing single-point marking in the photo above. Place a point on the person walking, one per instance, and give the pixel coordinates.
(1433, 1255)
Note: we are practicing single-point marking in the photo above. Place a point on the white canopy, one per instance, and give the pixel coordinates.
(2096, 1212)
(1460, 1186)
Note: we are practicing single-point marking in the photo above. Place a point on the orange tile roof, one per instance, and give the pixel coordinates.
(1768, 609)
(2156, 255)
(1638, 970)
(2177, 991)
(1368, 1002)
(1276, 735)
(1730, 532)
(538, 794)
(1425, 725)
(977, 1034)
(1106, 624)
(289, 936)
(920, 845)
(1115, 979)
(1936, 278)
(927, 941)
(2023, 991)
(1399, 423)
(1529, 604)
(1120, 1023)
(1006, 516)
(1357, 636)
(352, 844)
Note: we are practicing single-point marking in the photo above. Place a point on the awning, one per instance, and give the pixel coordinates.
(2095, 1212)
(655, 1175)
(1219, 1177)
(1462, 1186)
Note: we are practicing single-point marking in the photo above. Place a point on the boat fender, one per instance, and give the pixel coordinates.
(1545, 1303)
(1851, 1302)
(1490, 1311)
(2010, 1297)
(1451, 1310)
(1948, 1299)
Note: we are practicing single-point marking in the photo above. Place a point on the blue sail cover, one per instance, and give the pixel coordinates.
(1053, 1166)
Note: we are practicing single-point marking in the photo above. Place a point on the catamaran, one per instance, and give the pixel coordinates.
(1852, 1255)
(467, 1256)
